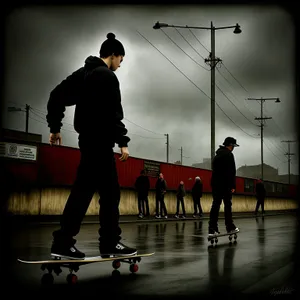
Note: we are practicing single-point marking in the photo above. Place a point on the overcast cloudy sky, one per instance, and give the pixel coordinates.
(165, 83)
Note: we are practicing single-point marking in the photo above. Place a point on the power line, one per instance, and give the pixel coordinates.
(183, 51)
(198, 40)
(212, 67)
(235, 79)
(189, 43)
(194, 84)
(142, 127)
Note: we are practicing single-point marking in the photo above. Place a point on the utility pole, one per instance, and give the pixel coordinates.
(27, 108)
(213, 62)
(289, 154)
(27, 116)
(167, 143)
(262, 100)
(180, 155)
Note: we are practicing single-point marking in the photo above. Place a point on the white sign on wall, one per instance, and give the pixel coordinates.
(12, 150)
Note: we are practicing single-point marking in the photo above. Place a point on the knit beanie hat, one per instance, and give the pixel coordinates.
(111, 46)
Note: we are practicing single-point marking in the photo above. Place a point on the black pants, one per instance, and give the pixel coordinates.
(218, 196)
(260, 202)
(142, 202)
(96, 172)
(180, 200)
(160, 205)
(197, 205)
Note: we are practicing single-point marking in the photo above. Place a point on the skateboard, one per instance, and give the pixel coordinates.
(56, 263)
(214, 239)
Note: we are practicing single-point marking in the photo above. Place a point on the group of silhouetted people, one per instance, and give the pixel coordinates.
(142, 186)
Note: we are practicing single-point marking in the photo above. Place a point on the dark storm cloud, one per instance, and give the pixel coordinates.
(44, 45)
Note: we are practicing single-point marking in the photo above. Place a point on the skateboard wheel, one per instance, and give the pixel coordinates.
(211, 241)
(47, 279)
(133, 268)
(116, 264)
(216, 240)
(72, 278)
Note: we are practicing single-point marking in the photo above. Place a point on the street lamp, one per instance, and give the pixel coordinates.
(237, 27)
(213, 62)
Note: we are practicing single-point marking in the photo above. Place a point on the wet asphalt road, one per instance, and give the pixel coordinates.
(262, 262)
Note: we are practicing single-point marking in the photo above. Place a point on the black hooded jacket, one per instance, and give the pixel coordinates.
(94, 89)
(260, 190)
(181, 193)
(223, 170)
(197, 189)
(142, 185)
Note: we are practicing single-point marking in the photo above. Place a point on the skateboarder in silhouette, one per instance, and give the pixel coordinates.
(94, 89)
(223, 185)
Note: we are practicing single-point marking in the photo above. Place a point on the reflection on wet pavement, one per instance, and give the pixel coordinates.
(183, 265)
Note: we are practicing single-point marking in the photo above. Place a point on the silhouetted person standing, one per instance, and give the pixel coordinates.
(142, 185)
(161, 189)
(180, 200)
(260, 193)
(197, 194)
(223, 185)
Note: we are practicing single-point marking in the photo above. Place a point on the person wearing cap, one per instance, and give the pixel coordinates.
(197, 194)
(223, 185)
(95, 92)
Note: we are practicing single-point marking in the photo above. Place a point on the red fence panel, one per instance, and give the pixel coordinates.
(57, 166)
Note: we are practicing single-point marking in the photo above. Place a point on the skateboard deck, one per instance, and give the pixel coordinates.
(214, 238)
(56, 263)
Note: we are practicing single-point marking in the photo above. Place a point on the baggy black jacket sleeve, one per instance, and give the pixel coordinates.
(66, 93)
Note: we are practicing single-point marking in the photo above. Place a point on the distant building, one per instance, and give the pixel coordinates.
(254, 171)
(206, 164)
(285, 178)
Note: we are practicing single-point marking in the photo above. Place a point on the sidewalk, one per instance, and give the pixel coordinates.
(54, 219)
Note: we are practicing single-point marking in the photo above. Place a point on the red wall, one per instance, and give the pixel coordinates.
(18, 174)
(128, 170)
(57, 165)
(239, 185)
(173, 174)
